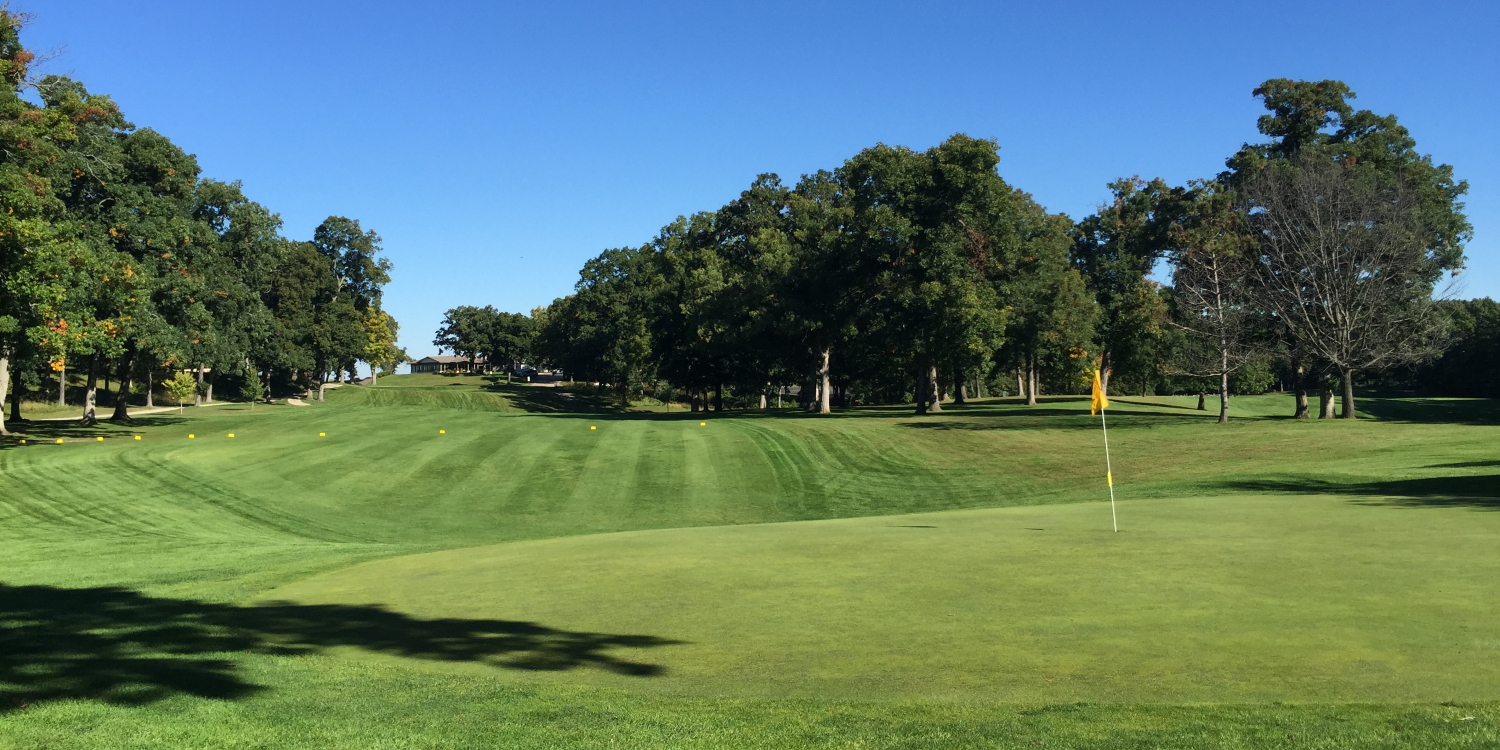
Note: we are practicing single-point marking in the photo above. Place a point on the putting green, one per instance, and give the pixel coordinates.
(1218, 599)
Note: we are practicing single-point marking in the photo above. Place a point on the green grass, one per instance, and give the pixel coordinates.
(1245, 599)
(749, 580)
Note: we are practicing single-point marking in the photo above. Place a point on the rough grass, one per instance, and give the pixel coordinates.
(1300, 584)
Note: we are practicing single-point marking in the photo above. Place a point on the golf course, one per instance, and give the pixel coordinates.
(452, 562)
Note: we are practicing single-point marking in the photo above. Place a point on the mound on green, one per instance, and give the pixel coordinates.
(466, 564)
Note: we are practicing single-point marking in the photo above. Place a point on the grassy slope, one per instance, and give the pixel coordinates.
(215, 519)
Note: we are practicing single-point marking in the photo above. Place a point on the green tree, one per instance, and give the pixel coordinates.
(181, 387)
(253, 390)
(465, 331)
(1116, 250)
(380, 351)
(320, 329)
(511, 339)
(48, 277)
(1212, 289)
(1312, 125)
(356, 259)
(1468, 366)
(602, 331)
(1052, 313)
(919, 229)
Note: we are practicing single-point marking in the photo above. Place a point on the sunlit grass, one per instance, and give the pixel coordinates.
(1267, 562)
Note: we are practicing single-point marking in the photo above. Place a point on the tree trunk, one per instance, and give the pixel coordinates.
(1105, 370)
(1201, 405)
(62, 386)
(920, 388)
(90, 418)
(322, 383)
(375, 376)
(719, 398)
(824, 405)
(122, 399)
(1223, 384)
(1347, 375)
(778, 396)
(1300, 386)
(1325, 402)
(208, 396)
(1031, 380)
(1020, 383)
(960, 387)
(198, 394)
(17, 391)
(4, 389)
(1223, 398)
(934, 389)
(150, 399)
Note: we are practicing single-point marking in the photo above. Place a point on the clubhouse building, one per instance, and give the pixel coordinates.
(449, 364)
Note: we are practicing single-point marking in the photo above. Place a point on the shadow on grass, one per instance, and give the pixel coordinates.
(1052, 418)
(1478, 492)
(39, 434)
(123, 647)
(545, 400)
(1451, 410)
(1464, 465)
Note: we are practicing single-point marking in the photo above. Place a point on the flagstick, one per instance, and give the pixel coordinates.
(1109, 475)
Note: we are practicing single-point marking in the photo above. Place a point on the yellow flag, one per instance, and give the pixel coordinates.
(1101, 401)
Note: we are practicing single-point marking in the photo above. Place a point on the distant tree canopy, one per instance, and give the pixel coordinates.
(923, 277)
(499, 337)
(118, 260)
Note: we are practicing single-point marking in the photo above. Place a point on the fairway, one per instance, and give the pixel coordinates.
(444, 562)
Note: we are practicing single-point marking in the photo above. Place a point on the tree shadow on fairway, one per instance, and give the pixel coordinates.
(39, 433)
(1477, 492)
(1050, 418)
(123, 647)
(1433, 410)
(1464, 465)
(543, 400)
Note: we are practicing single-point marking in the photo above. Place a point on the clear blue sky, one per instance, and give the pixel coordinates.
(496, 146)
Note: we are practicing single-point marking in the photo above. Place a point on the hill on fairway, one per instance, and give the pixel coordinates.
(446, 562)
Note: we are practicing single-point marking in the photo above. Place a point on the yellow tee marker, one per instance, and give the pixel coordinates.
(23, 441)
(442, 432)
(231, 434)
(702, 424)
(322, 434)
(137, 437)
(591, 427)
(59, 441)
(100, 439)
(191, 436)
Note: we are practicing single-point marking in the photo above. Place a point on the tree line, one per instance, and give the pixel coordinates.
(119, 260)
(1312, 260)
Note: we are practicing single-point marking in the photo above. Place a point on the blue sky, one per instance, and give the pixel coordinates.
(497, 146)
